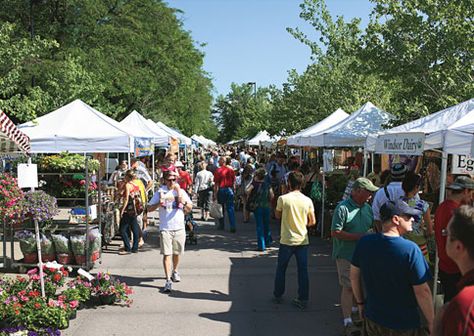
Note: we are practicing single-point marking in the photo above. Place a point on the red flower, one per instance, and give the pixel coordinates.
(34, 293)
(37, 305)
(57, 277)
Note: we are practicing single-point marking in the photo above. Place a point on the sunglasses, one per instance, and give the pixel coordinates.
(171, 180)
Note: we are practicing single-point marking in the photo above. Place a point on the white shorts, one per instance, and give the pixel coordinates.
(172, 242)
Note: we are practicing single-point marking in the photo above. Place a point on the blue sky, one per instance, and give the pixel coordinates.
(247, 41)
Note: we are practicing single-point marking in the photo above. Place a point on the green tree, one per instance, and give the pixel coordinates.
(336, 79)
(118, 55)
(242, 113)
(425, 45)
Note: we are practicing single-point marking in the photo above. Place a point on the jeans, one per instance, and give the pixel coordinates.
(284, 256)
(262, 218)
(225, 197)
(126, 223)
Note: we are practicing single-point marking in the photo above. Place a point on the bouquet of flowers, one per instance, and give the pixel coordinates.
(11, 198)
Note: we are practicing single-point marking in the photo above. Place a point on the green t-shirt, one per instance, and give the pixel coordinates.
(352, 218)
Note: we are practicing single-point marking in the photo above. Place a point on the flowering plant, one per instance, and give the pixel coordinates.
(80, 289)
(39, 205)
(105, 285)
(53, 279)
(11, 198)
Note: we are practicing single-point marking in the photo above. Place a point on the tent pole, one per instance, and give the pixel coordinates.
(372, 160)
(129, 163)
(106, 165)
(442, 192)
(153, 165)
(323, 204)
(365, 162)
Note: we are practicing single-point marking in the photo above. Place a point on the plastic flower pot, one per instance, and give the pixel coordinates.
(73, 314)
(80, 259)
(95, 256)
(30, 258)
(107, 299)
(48, 257)
(64, 258)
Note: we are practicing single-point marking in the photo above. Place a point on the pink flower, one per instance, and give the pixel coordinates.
(74, 304)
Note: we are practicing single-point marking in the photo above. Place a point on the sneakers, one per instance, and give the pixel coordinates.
(277, 300)
(168, 286)
(351, 330)
(175, 277)
(301, 304)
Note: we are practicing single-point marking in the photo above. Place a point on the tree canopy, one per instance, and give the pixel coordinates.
(116, 55)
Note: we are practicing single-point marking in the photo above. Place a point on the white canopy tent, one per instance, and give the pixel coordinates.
(137, 124)
(261, 136)
(175, 134)
(77, 128)
(353, 130)
(203, 141)
(301, 138)
(447, 129)
(459, 136)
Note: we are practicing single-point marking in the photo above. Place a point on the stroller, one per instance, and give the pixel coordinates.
(191, 228)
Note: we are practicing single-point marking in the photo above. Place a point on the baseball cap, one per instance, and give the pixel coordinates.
(461, 182)
(364, 183)
(178, 164)
(398, 170)
(399, 207)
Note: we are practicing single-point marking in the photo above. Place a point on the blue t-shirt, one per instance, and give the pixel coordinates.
(390, 266)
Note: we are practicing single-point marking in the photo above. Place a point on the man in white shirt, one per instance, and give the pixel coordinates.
(392, 192)
(172, 226)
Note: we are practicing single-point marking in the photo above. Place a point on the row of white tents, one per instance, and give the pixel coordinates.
(79, 128)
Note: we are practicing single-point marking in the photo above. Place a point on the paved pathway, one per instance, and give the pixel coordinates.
(226, 289)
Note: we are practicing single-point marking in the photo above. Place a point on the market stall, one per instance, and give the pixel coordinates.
(352, 131)
(302, 138)
(450, 131)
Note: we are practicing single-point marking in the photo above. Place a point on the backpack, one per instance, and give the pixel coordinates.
(135, 205)
(253, 201)
(316, 192)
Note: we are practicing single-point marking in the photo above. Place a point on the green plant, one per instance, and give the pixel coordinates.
(67, 163)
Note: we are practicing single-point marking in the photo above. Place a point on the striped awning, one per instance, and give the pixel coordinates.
(12, 140)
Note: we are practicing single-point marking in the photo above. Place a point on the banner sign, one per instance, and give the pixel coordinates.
(462, 164)
(27, 175)
(143, 147)
(401, 143)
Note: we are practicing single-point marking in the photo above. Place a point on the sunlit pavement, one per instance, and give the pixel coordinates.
(226, 289)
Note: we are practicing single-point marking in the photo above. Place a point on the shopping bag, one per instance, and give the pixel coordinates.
(216, 210)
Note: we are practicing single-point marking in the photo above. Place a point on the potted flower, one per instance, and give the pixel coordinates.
(79, 289)
(110, 290)
(38, 205)
(63, 248)
(11, 197)
(27, 246)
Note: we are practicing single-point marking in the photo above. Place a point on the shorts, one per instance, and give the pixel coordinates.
(344, 272)
(374, 329)
(172, 242)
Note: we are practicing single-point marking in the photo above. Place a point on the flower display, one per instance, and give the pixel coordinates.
(39, 206)
(66, 162)
(11, 197)
(106, 285)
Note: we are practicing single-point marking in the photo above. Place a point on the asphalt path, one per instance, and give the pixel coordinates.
(226, 289)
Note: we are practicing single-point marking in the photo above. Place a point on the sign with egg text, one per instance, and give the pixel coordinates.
(462, 164)
(401, 143)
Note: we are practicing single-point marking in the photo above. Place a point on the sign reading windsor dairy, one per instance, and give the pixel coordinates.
(462, 164)
(401, 143)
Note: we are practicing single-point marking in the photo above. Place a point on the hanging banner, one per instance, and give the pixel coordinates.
(27, 175)
(401, 143)
(143, 147)
(462, 164)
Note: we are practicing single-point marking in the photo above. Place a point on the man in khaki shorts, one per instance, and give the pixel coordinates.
(352, 218)
(172, 207)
